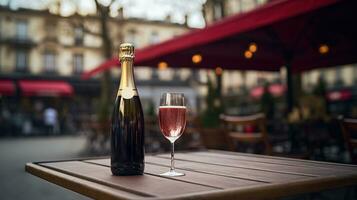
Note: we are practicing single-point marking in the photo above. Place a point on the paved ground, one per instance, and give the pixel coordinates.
(15, 183)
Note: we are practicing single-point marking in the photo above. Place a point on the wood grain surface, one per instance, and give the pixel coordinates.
(209, 175)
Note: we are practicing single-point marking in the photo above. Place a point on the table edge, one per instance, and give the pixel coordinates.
(250, 192)
(76, 184)
(273, 190)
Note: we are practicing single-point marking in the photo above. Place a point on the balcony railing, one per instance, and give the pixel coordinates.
(19, 42)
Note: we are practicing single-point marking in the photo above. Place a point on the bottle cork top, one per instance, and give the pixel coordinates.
(126, 51)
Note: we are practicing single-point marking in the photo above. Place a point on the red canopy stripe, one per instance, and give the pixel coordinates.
(264, 15)
(7, 87)
(45, 88)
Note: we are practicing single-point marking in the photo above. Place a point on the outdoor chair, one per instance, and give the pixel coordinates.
(211, 138)
(349, 131)
(258, 137)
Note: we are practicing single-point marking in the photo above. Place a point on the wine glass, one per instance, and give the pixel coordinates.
(172, 120)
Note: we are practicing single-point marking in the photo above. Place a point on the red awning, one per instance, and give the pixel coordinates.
(7, 87)
(341, 95)
(276, 90)
(305, 34)
(45, 88)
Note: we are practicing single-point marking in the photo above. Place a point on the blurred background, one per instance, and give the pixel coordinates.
(48, 111)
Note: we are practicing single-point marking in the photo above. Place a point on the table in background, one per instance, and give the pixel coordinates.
(209, 175)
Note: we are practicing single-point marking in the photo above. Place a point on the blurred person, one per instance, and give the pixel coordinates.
(38, 117)
(51, 120)
(27, 127)
(5, 121)
(18, 119)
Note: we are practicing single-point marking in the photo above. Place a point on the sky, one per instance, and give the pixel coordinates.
(148, 9)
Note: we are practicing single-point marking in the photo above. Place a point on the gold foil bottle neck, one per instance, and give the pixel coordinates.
(126, 51)
(127, 88)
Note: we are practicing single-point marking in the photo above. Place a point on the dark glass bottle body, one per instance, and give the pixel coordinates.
(127, 137)
(127, 130)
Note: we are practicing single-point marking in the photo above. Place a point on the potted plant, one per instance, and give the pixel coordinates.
(212, 135)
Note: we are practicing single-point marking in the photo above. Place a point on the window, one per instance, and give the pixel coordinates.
(260, 1)
(21, 60)
(131, 37)
(247, 5)
(78, 63)
(261, 78)
(323, 74)
(78, 35)
(218, 10)
(49, 62)
(154, 37)
(21, 30)
(51, 29)
(338, 74)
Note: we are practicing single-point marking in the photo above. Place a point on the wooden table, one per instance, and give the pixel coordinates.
(209, 175)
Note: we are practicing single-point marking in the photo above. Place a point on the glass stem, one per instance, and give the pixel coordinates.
(172, 168)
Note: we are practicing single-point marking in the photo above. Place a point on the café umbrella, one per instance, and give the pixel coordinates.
(298, 35)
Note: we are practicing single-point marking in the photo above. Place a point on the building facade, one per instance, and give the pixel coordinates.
(34, 42)
(38, 46)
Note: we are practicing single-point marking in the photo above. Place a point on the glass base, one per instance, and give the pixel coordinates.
(172, 174)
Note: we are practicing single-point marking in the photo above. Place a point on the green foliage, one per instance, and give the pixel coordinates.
(151, 109)
(320, 88)
(267, 102)
(312, 107)
(210, 117)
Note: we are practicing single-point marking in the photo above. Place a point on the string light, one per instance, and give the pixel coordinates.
(324, 49)
(162, 65)
(197, 58)
(253, 47)
(248, 54)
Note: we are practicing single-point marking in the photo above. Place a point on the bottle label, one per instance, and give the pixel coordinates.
(127, 93)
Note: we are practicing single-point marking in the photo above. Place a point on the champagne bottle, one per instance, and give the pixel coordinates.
(127, 130)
